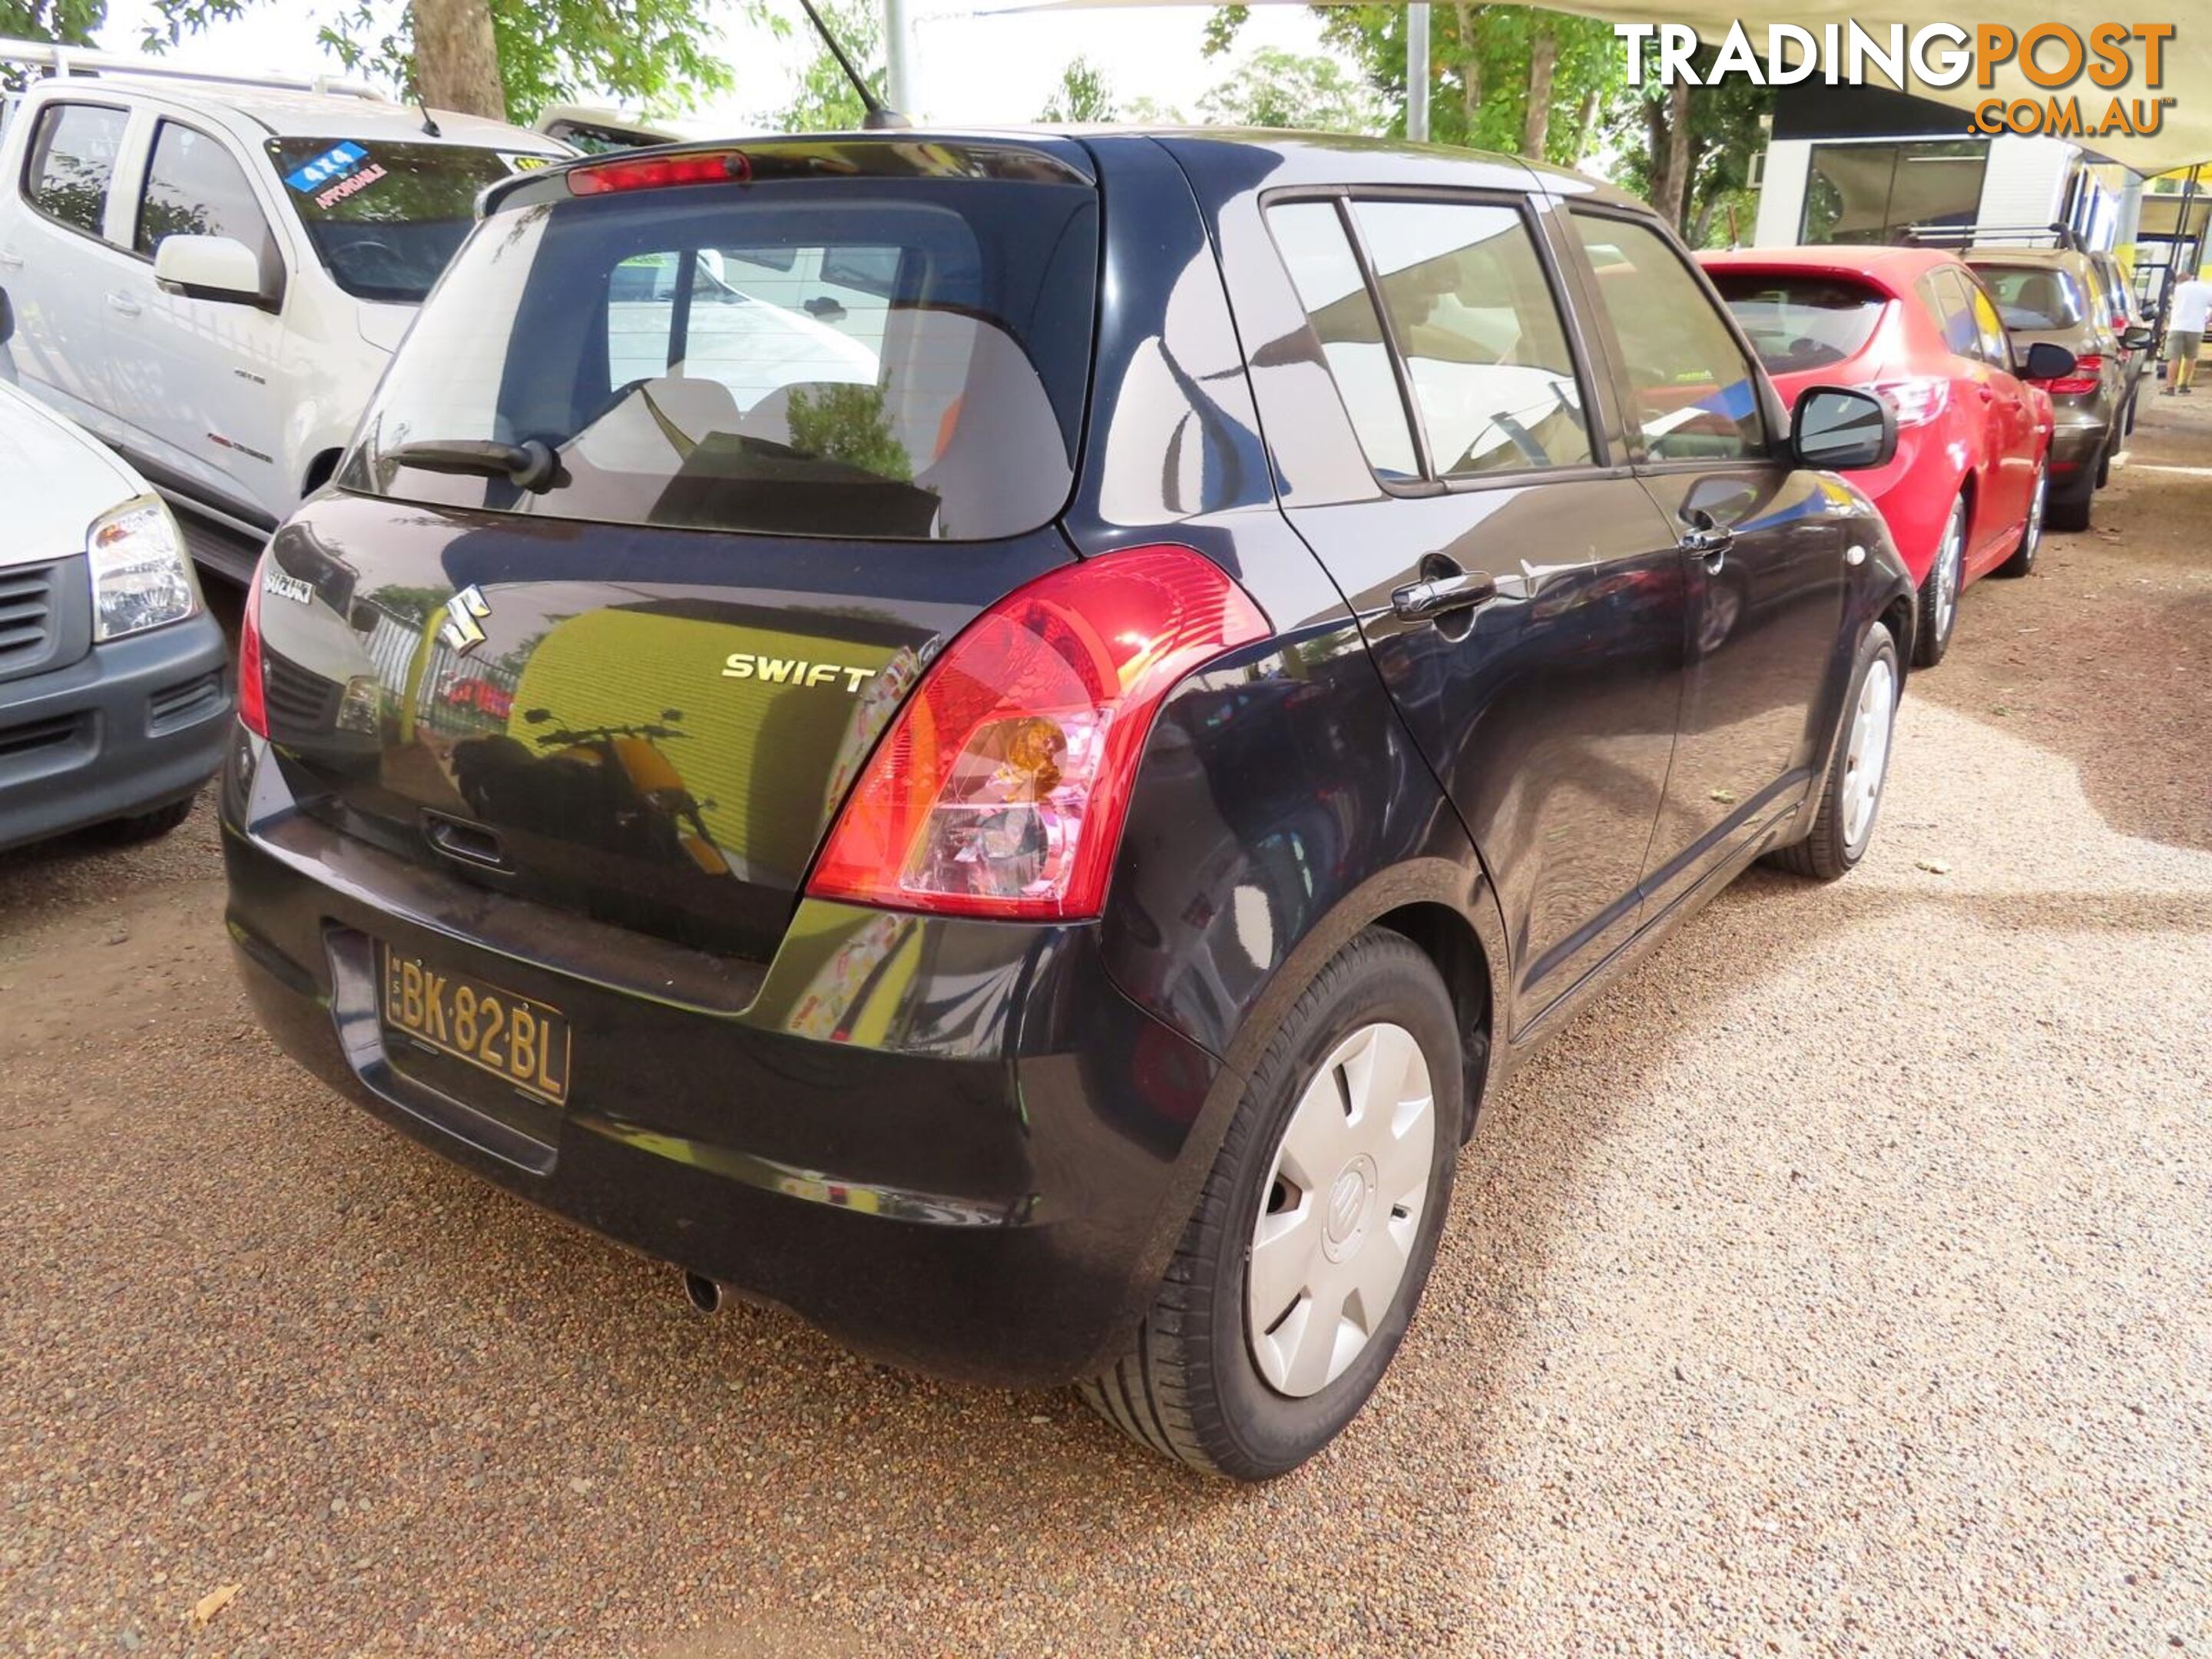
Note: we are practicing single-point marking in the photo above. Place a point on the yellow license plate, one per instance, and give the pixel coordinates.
(516, 1040)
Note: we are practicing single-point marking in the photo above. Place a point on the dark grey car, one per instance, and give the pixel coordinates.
(2056, 296)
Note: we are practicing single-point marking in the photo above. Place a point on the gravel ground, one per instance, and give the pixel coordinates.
(1837, 1284)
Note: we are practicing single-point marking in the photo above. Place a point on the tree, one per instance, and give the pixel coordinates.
(826, 101)
(1509, 78)
(1688, 149)
(1277, 88)
(509, 58)
(1081, 96)
(68, 23)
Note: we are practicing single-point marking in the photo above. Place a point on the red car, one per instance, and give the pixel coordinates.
(1964, 494)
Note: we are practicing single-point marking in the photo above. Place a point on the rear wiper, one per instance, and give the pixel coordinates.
(530, 465)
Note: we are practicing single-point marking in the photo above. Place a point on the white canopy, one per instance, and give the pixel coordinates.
(2184, 134)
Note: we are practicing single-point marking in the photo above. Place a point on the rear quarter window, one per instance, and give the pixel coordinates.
(72, 161)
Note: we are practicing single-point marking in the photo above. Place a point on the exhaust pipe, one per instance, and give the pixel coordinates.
(702, 1293)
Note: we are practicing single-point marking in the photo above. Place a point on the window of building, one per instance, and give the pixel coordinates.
(1878, 192)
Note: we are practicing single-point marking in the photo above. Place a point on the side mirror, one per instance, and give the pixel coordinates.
(2136, 339)
(2045, 361)
(219, 268)
(1840, 430)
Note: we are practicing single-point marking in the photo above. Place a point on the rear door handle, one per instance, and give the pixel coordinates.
(10, 259)
(122, 305)
(1439, 596)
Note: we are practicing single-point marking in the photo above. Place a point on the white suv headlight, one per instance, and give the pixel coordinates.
(141, 574)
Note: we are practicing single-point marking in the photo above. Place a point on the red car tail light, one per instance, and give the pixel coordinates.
(252, 698)
(653, 171)
(1000, 787)
(2087, 370)
(1917, 400)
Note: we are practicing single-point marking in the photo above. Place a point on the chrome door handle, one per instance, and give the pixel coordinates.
(1708, 541)
(122, 305)
(1439, 596)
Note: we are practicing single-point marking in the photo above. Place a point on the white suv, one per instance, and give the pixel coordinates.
(211, 276)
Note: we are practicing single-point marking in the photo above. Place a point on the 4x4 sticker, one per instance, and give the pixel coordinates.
(333, 163)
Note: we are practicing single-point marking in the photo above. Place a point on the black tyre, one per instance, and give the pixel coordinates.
(1850, 801)
(2105, 464)
(2070, 508)
(1939, 593)
(1328, 1196)
(143, 826)
(2031, 537)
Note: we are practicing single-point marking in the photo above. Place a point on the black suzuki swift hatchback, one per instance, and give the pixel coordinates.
(997, 739)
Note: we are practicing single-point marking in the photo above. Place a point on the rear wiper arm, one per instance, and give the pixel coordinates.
(531, 465)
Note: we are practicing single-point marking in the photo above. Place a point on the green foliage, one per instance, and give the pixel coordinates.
(71, 22)
(1277, 89)
(826, 101)
(846, 423)
(654, 54)
(1478, 64)
(1725, 133)
(1081, 96)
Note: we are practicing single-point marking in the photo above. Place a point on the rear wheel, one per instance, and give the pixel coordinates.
(2069, 507)
(1939, 593)
(143, 826)
(2030, 538)
(1298, 1274)
(1850, 796)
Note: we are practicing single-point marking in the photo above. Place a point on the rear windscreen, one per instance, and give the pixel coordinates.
(2031, 296)
(903, 359)
(1801, 322)
(385, 217)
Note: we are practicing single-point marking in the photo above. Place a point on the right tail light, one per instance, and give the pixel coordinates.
(1000, 787)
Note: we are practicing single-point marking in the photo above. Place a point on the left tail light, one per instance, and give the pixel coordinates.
(252, 698)
(1000, 789)
(2088, 370)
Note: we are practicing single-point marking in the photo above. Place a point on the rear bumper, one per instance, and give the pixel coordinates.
(953, 1146)
(2075, 445)
(131, 726)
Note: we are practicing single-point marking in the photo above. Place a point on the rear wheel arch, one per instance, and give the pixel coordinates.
(1455, 947)
(319, 471)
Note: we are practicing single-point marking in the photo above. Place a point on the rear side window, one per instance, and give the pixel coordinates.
(1801, 322)
(193, 188)
(1946, 301)
(1480, 335)
(72, 158)
(2032, 296)
(901, 358)
(1333, 289)
(1693, 396)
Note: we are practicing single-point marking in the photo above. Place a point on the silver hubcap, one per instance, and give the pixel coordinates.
(1868, 756)
(1342, 1209)
(1947, 572)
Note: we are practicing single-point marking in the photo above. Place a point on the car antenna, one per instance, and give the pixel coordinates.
(879, 115)
(429, 125)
